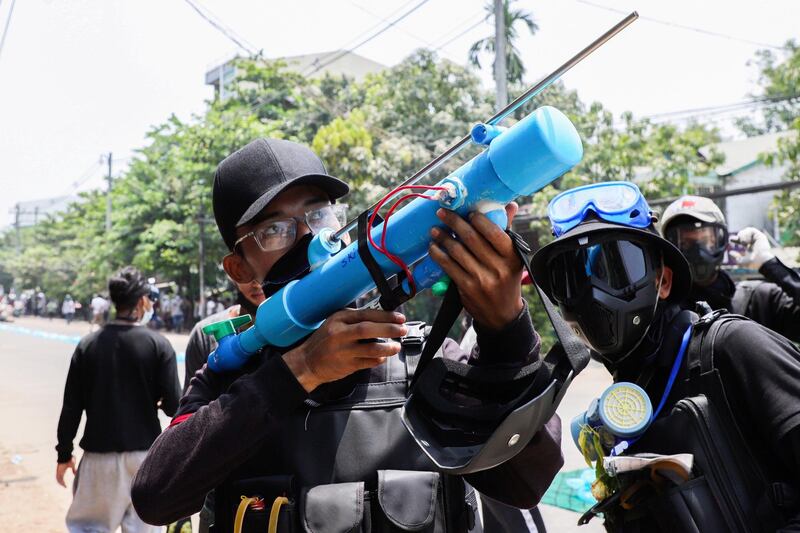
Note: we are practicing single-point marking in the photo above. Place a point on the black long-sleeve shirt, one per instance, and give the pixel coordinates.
(773, 303)
(118, 375)
(776, 302)
(237, 413)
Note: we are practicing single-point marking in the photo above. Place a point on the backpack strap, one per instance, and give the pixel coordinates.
(576, 352)
(412, 345)
(445, 318)
(700, 355)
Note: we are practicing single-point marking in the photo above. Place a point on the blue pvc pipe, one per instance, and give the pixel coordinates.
(519, 161)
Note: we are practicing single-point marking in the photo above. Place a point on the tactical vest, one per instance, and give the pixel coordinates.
(349, 465)
(732, 488)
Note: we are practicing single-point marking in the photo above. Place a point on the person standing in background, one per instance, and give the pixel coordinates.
(211, 306)
(99, 306)
(120, 375)
(176, 309)
(68, 308)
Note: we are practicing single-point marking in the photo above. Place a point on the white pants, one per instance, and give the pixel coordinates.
(101, 495)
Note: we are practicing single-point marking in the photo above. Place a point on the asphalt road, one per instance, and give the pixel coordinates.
(34, 358)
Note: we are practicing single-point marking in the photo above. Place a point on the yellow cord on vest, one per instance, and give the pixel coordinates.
(243, 505)
(275, 513)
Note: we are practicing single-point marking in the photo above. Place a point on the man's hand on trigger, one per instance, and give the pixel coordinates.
(483, 264)
(337, 348)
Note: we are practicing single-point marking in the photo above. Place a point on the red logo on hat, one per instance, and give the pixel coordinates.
(687, 203)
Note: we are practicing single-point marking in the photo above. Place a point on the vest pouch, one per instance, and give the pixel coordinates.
(334, 508)
(688, 507)
(722, 496)
(408, 501)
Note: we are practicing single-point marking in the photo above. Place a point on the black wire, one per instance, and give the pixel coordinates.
(360, 35)
(683, 27)
(226, 32)
(459, 35)
(8, 22)
(427, 43)
(773, 99)
(368, 39)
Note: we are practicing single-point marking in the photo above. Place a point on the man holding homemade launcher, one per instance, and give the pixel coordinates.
(310, 419)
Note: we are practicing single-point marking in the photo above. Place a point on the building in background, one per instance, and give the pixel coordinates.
(744, 168)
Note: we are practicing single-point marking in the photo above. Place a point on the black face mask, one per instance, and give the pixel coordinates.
(247, 307)
(703, 264)
(607, 291)
(291, 266)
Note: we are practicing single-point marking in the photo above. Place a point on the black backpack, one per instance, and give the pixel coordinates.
(731, 490)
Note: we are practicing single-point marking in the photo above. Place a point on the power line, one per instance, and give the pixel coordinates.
(88, 174)
(427, 43)
(461, 24)
(226, 31)
(357, 37)
(714, 115)
(684, 27)
(8, 22)
(761, 100)
(460, 34)
(368, 39)
(735, 107)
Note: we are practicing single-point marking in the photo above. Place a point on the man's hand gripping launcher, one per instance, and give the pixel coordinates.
(519, 161)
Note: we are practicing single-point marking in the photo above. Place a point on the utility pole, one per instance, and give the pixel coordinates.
(16, 226)
(108, 195)
(500, 76)
(201, 220)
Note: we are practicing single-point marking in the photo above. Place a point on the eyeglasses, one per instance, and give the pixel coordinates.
(280, 234)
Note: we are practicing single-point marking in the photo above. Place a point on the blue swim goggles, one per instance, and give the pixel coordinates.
(618, 202)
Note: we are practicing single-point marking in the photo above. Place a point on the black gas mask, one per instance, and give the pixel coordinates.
(291, 266)
(703, 263)
(607, 288)
(703, 244)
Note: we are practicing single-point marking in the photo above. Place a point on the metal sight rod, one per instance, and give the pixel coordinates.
(507, 110)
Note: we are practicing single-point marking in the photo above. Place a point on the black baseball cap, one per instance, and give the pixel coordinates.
(248, 179)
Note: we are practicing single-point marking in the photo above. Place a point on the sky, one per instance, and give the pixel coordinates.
(81, 78)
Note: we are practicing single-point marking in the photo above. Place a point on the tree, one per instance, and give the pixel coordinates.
(780, 80)
(374, 133)
(515, 69)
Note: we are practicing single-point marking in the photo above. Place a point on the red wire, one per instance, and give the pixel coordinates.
(382, 248)
(411, 285)
(384, 200)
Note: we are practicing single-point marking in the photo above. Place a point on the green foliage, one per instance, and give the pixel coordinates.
(780, 79)
(372, 133)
